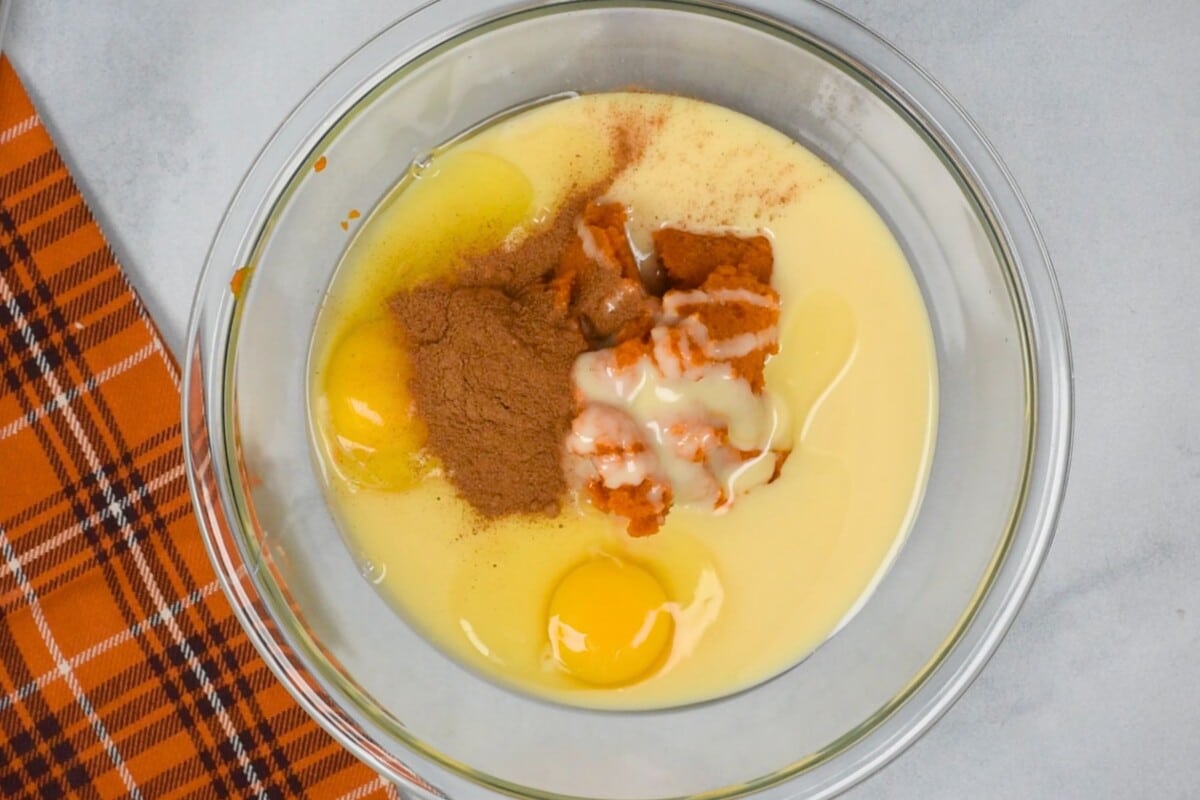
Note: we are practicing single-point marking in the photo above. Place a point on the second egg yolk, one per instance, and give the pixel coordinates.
(370, 410)
(609, 622)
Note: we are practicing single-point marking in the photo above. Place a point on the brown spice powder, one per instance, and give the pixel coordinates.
(491, 354)
(491, 379)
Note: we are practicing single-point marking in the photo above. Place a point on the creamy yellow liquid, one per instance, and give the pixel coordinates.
(753, 590)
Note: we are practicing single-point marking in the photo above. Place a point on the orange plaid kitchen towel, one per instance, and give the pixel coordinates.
(123, 672)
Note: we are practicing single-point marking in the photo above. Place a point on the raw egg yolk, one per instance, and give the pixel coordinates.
(608, 622)
(370, 411)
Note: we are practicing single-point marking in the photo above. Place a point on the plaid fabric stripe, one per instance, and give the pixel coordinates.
(123, 672)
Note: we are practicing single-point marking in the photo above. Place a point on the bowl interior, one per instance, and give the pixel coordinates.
(407, 697)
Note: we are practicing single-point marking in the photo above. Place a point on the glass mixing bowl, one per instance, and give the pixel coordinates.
(997, 476)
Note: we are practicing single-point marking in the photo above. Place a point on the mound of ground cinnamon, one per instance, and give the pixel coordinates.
(491, 355)
(491, 381)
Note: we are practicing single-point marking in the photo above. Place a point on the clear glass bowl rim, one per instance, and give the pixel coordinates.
(947, 128)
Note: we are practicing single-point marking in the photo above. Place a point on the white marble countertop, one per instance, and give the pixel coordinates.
(159, 109)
